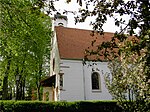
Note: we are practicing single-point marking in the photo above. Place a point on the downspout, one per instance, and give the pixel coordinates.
(84, 80)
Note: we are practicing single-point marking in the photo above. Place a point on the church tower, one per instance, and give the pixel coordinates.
(60, 20)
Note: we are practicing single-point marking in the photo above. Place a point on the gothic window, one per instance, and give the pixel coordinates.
(95, 81)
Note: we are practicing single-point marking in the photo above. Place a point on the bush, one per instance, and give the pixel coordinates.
(37, 106)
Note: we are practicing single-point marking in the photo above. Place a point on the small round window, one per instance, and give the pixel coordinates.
(60, 24)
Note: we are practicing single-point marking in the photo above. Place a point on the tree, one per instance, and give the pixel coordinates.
(25, 42)
(131, 73)
(128, 82)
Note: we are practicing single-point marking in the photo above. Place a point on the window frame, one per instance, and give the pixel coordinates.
(61, 81)
(98, 81)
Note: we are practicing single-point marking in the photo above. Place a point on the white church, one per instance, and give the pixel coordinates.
(70, 79)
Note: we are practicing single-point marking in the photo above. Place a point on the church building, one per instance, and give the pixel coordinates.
(71, 78)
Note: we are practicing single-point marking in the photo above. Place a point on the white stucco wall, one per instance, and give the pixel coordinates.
(72, 80)
(102, 94)
(77, 81)
(61, 20)
(55, 56)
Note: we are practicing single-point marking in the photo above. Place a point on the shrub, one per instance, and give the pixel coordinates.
(80, 106)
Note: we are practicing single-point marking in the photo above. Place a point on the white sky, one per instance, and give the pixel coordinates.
(73, 6)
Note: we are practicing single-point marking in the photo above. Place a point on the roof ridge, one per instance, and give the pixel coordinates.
(80, 29)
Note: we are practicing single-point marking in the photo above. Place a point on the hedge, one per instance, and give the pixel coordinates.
(80, 106)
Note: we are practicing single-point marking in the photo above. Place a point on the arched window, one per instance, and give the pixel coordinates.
(95, 81)
(60, 24)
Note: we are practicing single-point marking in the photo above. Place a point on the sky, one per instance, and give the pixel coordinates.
(73, 6)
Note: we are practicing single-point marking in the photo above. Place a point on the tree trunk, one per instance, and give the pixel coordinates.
(22, 81)
(17, 84)
(38, 82)
(5, 81)
(23, 90)
(38, 93)
(5, 88)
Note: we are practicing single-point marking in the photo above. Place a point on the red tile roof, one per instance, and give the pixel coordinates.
(73, 42)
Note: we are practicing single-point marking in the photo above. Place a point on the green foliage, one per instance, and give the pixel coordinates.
(82, 106)
(25, 42)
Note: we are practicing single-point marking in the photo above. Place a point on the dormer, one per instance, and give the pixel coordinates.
(60, 20)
